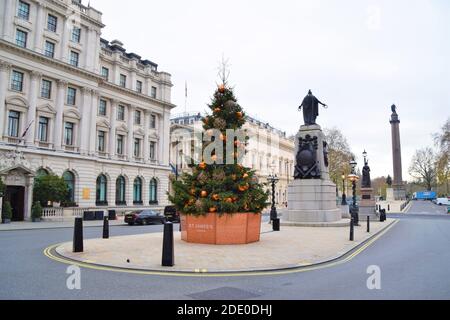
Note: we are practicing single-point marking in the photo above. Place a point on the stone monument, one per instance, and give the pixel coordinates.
(398, 192)
(367, 205)
(312, 195)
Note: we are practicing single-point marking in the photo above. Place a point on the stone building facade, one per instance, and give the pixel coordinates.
(81, 107)
(269, 150)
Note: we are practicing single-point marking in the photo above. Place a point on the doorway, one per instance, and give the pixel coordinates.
(16, 197)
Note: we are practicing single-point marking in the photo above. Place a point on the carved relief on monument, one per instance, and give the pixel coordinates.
(307, 166)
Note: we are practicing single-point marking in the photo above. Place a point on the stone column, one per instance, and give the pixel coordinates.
(85, 121)
(146, 143)
(93, 124)
(31, 114)
(59, 119)
(130, 125)
(112, 131)
(28, 198)
(64, 41)
(39, 27)
(399, 190)
(165, 138)
(8, 16)
(4, 72)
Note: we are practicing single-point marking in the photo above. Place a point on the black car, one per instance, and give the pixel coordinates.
(171, 214)
(144, 217)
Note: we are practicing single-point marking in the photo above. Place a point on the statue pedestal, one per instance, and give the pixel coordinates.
(345, 211)
(367, 205)
(312, 200)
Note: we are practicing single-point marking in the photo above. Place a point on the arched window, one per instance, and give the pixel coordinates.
(69, 178)
(120, 191)
(102, 191)
(41, 173)
(137, 191)
(153, 191)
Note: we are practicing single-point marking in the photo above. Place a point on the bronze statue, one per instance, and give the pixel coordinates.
(394, 109)
(310, 107)
(366, 182)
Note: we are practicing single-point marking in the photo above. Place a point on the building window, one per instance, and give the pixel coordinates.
(137, 117)
(101, 191)
(41, 173)
(76, 34)
(153, 121)
(71, 96)
(23, 11)
(152, 150)
(153, 92)
(153, 191)
(119, 144)
(21, 38)
(139, 86)
(121, 113)
(69, 178)
(102, 108)
(46, 89)
(13, 124)
(120, 191)
(68, 133)
(137, 191)
(49, 49)
(52, 23)
(137, 148)
(101, 141)
(105, 73)
(17, 81)
(123, 80)
(74, 58)
(43, 129)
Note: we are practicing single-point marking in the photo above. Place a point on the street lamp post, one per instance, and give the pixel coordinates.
(273, 180)
(354, 178)
(344, 196)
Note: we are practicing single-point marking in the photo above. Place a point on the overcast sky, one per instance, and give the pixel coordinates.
(357, 56)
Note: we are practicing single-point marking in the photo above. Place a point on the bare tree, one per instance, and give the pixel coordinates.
(423, 167)
(442, 141)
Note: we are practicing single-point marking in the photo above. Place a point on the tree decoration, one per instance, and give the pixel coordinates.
(221, 188)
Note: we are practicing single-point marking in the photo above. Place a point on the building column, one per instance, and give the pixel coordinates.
(130, 125)
(112, 131)
(28, 198)
(31, 114)
(8, 16)
(39, 27)
(4, 73)
(97, 52)
(64, 40)
(59, 119)
(165, 138)
(93, 124)
(85, 121)
(146, 143)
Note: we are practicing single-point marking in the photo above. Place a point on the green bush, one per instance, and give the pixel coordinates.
(2, 188)
(50, 188)
(7, 210)
(36, 210)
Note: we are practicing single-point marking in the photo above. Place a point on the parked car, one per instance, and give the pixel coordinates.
(144, 217)
(442, 201)
(171, 214)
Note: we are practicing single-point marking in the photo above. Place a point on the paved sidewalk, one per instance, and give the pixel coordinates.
(291, 247)
(13, 226)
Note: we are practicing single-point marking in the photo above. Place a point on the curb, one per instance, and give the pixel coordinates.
(340, 258)
(55, 228)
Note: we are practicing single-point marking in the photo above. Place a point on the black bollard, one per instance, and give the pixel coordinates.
(168, 255)
(105, 228)
(368, 224)
(389, 207)
(276, 224)
(78, 235)
(352, 230)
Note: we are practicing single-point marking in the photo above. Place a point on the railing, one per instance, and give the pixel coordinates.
(52, 213)
(404, 205)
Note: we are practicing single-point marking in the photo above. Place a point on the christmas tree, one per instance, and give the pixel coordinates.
(220, 183)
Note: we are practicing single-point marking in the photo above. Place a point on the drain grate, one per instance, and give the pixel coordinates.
(227, 293)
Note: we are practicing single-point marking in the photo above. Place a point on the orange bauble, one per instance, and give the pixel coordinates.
(221, 88)
(245, 176)
(193, 192)
(239, 114)
(212, 209)
(202, 165)
(242, 188)
(229, 200)
(217, 110)
(215, 197)
(203, 194)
